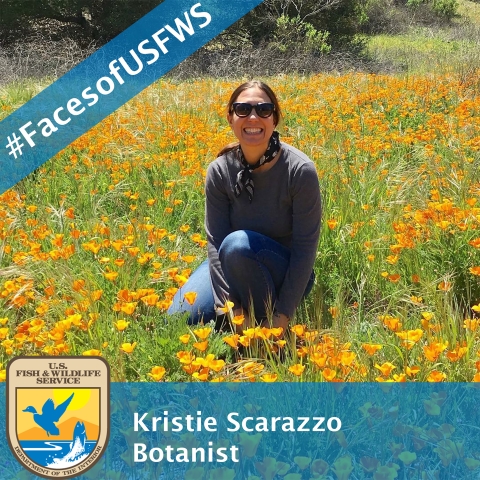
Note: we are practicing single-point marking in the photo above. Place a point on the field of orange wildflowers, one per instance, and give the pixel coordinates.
(94, 244)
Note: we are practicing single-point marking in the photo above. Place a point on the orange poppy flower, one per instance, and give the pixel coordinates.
(297, 369)
(190, 297)
(370, 348)
(202, 346)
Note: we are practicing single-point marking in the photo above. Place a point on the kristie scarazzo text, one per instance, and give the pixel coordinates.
(213, 452)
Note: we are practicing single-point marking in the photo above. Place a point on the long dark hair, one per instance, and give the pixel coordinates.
(277, 114)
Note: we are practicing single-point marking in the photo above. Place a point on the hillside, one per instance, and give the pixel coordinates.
(442, 47)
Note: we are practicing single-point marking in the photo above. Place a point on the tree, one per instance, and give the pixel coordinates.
(85, 20)
(340, 18)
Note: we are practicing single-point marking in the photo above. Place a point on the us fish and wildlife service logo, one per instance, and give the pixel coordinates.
(58, 413)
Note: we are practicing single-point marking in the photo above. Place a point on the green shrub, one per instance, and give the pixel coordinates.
(296, 34)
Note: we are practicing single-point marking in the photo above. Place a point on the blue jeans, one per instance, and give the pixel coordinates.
(254, 267)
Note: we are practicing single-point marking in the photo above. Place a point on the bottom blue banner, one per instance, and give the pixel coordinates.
(251, 431)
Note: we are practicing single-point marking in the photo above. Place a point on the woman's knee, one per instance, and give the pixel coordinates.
(235, 247)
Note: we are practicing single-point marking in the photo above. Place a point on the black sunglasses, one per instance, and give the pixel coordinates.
(263, 110)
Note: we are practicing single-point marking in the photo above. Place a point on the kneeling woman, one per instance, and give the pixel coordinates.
(262, 219)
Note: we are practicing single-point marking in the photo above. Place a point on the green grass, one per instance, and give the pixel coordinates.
(441, 49)
(469, 11)
(418, 52)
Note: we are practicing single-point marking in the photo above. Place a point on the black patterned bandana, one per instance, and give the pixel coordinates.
(244, 177)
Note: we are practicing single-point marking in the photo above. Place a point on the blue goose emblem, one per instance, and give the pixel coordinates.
(50, 414)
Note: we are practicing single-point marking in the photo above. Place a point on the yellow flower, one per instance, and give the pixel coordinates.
(386, 368)
(210, 362)
(298, 330)
(190, 297)
(202, 375)
(269, 377)
(181, 280)
(333, 311)
(238, 319)
(436, 376)
(150, 299)
(427, 316)
(332, 223)
(92, 353)
(392, 259)
(121, 325)
(128, 308)
(226, 308)
(232, 340)
(297, 369)
(202, 333)
(202, 346)
(128, 347)
(392, 323)
(410, 337)
(433, 351)
(133, 251)
(185, 357)
(444, 286)
(251, 368)
(244, 340)
(329, 374)
(184, 338)
(370, 348)
(470, 324)
(110, 275)
(157, 373)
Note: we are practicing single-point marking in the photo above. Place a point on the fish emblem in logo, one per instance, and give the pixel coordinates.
(58, 413)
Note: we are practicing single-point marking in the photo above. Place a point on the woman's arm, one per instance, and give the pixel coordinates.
(217, 227)
(307, 212)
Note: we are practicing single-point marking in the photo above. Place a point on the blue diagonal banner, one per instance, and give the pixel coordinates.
(107, 79)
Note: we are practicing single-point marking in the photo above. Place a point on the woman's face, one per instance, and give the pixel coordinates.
(253, 132)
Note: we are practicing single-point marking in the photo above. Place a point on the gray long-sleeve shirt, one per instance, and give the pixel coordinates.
(286, 207)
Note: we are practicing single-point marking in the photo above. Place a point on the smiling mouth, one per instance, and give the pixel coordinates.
(252, 130)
